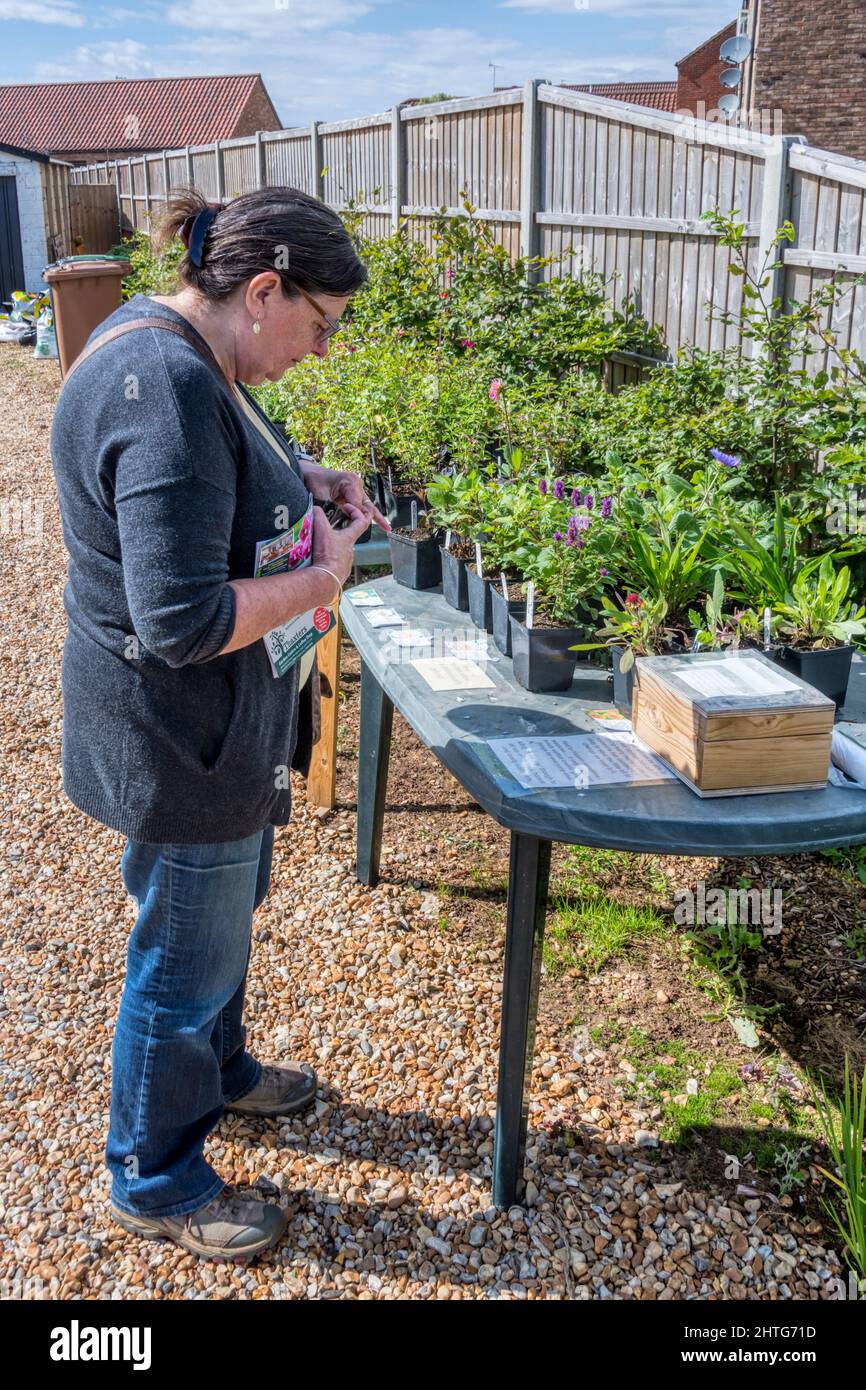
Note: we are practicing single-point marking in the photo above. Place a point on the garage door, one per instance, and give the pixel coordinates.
(11, 259)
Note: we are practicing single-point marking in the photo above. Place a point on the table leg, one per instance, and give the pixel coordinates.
(527, 902)
(322, 777)
(374, 749)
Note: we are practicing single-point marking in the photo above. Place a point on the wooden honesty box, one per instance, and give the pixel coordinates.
(733, 724)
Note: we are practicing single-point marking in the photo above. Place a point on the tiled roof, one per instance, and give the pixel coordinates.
(662, 96)
(143, 113)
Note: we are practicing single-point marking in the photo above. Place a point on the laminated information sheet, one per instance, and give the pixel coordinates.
(578, 760)
(743, 677)
(450, 673)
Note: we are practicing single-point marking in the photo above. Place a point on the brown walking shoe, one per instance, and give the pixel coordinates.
(230, 1227)
(280, 1091)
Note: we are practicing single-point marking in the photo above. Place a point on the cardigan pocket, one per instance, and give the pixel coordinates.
(230, 736)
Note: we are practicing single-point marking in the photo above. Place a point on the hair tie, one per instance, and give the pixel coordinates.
(194, 229)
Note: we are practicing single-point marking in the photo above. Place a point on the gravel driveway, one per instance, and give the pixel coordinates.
(388, 1181)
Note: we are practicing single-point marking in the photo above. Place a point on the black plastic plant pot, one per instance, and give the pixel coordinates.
(623, 682)
(542, 660)
(826, 670)
(502, 611)
(454, 587)
(415, 564)
(397, 506)
(480, 606)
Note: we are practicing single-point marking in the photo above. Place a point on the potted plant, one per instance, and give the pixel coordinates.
(455, 503)
(569, 576)
(416, 555)
(820, 619)
(634, 628)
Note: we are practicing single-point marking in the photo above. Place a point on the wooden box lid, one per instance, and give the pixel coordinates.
(734, 695)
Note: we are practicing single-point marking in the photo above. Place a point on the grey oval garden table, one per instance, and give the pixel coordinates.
(661, 818)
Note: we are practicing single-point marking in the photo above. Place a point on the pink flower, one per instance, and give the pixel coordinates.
(466, 342)
(450, 273)
(495, 387)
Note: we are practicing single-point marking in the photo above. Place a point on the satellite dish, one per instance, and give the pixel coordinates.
(729, 105)
(731, 77)
(736, 50)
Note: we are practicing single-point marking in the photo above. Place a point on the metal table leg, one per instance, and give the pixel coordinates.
(527, 902)
(374, 749)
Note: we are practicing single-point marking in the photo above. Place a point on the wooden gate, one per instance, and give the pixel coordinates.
(93, 216)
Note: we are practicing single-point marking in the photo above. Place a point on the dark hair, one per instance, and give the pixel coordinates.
(279, 229)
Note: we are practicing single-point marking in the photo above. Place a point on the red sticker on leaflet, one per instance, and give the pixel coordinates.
(321, 619)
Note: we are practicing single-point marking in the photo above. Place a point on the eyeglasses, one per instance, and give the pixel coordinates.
(333, 325)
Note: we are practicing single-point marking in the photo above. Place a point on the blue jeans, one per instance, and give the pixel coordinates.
(178, 1052)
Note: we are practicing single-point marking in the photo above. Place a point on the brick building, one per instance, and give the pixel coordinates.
(695, 89)
(84, 122)
(809, 64)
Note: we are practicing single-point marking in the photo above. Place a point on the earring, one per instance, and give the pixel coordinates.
(257, 327)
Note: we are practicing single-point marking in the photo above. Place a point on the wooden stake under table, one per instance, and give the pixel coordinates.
(322, 779)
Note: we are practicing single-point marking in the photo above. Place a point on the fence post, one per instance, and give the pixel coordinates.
(776, 207)
(166, 178)
(261, 172)
(530, 169)
(398, 166)
(133, 212)
(190, 172)
(220, 171)
(147, 200)
(317, 181)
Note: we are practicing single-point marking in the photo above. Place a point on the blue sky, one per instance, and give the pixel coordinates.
(328, 59)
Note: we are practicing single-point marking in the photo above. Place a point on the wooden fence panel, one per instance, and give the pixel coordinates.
(608, 186)
(93, 219)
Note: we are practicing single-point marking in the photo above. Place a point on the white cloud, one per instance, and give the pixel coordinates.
(715, 13)
(93, 62)
(43, 12)
(265, 19)
(359, 71)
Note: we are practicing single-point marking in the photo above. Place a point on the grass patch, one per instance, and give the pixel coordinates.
(585, 936)
(586, 927)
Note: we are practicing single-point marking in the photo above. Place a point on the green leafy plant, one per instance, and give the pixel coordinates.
(638, 626)
(819, 612)
(844, 1136)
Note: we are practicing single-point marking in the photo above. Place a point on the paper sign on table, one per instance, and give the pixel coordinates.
(610, 720)
(578, 760)
(385, 617)
(449, 673)
(473, 648)
(411, 637)
(743, 677)
(364, 598)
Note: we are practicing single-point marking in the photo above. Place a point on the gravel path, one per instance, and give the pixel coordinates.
(388, 1180)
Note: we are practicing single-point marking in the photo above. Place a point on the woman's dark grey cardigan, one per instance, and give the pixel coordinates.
(165, 487)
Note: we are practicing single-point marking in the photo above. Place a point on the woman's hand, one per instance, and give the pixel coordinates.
(341, 487)
(334, 550)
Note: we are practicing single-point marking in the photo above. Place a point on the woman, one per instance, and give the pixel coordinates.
(176, 731)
